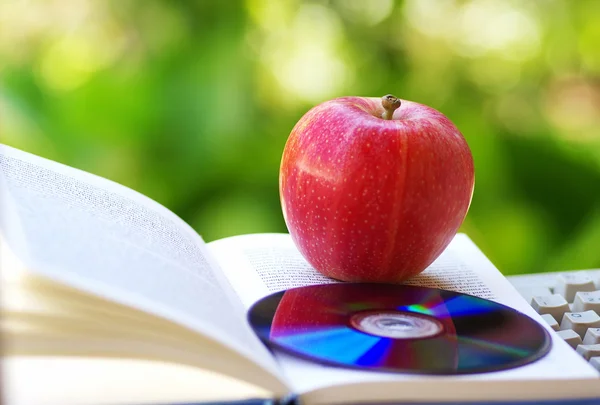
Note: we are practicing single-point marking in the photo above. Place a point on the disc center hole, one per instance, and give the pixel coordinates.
(396, 324)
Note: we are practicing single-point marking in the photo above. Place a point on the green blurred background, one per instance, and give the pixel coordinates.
(191, 102)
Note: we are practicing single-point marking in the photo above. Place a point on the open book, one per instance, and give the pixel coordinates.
(108, 297)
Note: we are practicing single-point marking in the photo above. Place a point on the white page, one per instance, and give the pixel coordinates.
(470, 272)
(100, 381)
(257, 265)
(103, 238)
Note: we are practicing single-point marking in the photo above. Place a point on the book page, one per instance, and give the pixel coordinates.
(98, 381)
(102, 238)
(258, 265)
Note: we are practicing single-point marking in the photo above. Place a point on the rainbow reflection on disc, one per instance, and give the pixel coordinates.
(396, 328)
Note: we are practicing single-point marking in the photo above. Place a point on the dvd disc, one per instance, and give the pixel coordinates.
(396, 328)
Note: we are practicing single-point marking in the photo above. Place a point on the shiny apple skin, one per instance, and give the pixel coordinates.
(374, 200)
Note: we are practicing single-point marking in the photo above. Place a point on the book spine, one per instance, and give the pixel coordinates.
(256, 401)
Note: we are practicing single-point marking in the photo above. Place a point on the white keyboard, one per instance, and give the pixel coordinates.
(570, 303)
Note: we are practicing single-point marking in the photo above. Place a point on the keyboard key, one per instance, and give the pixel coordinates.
(554, 305)
(580, 322)
(595, 274)
(595, 362)
(571, 337)
(530, 291)
(592, 336)
(551, 321)
(568, 284)
(587, 300)
(588, 351)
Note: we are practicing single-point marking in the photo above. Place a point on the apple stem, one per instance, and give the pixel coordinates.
(390, 104)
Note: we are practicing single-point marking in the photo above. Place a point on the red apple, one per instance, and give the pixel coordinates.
(374, 189)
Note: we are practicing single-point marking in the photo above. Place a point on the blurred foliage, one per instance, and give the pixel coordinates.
(191, 102)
